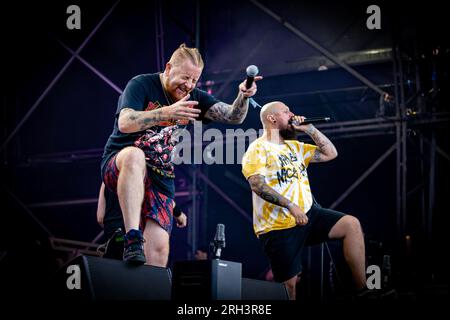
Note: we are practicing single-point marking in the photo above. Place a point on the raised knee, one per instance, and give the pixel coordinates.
(132, 159)
(291, 282)
(352, 224)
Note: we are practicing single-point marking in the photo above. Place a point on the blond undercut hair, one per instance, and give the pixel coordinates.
(183, 53)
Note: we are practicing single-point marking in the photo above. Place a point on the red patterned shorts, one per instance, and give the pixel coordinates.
(156, 206)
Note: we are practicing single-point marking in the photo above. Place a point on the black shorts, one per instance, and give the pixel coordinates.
(284, 247)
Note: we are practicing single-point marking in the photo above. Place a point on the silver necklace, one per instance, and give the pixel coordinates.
(169, 101)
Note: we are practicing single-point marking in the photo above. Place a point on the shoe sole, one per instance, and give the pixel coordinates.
(135, 261)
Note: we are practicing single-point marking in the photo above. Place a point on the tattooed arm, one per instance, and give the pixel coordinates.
(233, 114)
(260, 187)
(131, 120)
(236, 112)
(326, 150)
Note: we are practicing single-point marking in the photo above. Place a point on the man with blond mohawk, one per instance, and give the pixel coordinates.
(285, 215)
(137, 160)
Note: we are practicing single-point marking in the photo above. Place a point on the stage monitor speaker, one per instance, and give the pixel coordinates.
(253, 289)
(207, 280)
(95, 278)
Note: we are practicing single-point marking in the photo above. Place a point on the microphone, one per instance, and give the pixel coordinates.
(252, 71)
(219, 241)
(309, 120)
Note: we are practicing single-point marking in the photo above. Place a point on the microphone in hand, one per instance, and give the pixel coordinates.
(252, 72)
(309, 121)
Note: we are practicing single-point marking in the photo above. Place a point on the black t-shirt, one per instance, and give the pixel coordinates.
(145, 92)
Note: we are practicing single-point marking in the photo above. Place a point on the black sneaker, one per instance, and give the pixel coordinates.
(115, 245)
(368, 295)
(134, 247)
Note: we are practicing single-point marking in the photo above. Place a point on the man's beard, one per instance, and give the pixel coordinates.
(288, 133)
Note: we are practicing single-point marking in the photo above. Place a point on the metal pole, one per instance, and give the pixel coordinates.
(404, 133)
(322, 261)
(158, 56)
(84, 201)
(159, 36)
(204, 211)
(197, 24)
(193, 239)
(398, 150)
(194, 212)
(93, 69)
(431, 188)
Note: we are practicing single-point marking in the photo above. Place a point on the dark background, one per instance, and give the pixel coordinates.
(50, 173)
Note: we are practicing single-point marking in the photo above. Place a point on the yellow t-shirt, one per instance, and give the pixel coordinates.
(284, 168)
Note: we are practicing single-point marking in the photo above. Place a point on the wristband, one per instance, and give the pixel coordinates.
(176, 212)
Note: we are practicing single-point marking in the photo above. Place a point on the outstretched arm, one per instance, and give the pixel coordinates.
(131, 120)
(233, 113)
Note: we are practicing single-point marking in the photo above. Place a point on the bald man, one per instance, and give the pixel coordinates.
(285, 215)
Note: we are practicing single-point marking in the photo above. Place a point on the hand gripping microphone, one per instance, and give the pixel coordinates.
(252, 72)
(309, 120)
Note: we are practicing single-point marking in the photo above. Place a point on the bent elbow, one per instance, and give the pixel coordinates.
(329, 156)
(123, 126)
(335, 154)
(239, 120)
(332, 156)
(255, 188)
(234, 121)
